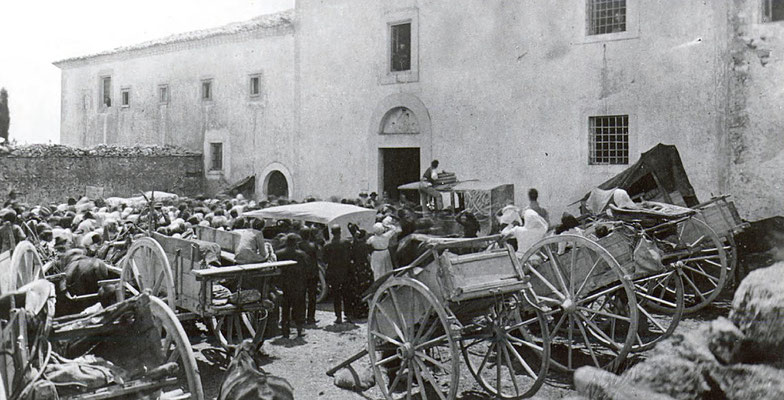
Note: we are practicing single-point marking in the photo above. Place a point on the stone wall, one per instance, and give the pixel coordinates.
(54, 179)
(755, 125)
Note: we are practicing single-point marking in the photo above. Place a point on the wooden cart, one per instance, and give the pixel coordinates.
(477, 305)
(173, 270)
(659, 175)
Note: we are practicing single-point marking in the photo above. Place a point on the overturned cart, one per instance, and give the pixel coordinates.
(133, 349)
(455, 302)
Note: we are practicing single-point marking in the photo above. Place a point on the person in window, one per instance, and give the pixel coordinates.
(429, 180)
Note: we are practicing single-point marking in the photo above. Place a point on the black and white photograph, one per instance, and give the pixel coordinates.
(392, 199)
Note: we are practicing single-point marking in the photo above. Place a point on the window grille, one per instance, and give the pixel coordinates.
(606, 16)
(609, 140)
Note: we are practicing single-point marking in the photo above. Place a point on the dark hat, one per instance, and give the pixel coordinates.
(293, 238)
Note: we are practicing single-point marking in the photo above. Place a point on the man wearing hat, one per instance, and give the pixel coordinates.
(293, 285)
(337, 255)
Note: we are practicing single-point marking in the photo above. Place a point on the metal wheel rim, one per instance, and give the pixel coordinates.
(692, 270)
(422, 377)
(26, 264)
(650, 315)
(138, 273)
(507, 344)
(580, 314)
(165, 319)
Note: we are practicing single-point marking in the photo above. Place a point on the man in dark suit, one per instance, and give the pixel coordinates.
(293, 285)
(337, 255)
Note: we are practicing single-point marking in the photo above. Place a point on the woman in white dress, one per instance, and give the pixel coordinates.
(534, 229)
(380, 259)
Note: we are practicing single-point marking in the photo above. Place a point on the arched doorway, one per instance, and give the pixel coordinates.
(277, 185)
(400, 141)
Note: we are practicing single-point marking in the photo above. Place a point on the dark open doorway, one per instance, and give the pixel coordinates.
(398, 166)
(277, 185)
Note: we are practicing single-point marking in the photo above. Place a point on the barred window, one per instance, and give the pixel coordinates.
(772, 10)
(216, 156)
(606, 16)
(401, 47)
(608, 139)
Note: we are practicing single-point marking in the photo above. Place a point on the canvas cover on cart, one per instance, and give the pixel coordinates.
(322, 212)
(658, 175)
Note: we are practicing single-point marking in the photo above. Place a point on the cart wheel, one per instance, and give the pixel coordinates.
(588, 303)
(146, 267)
(508, 355)
(322, 290)
(410, 345)
(232, 329)
(26, 264)
(655, 325)
(698, 249)
(175, 347)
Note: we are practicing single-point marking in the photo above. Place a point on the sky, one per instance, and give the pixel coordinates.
(33, 34)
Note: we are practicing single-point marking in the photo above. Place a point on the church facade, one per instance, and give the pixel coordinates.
(341, 96)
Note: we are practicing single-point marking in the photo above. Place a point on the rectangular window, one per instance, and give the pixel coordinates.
(125, 97)
(106, 91)
(606, 16)
(206, 89)
(608, 140)
(216, 156)
(401, 47)
(163, 94)
(255, 85)
(772, 10)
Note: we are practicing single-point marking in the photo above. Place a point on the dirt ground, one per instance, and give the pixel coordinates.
(304, 361)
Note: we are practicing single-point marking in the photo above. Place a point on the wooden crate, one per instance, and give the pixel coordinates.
(722, 217)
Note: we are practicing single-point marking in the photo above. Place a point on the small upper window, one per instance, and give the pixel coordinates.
(606, 16)
(216, 156)
(163, 94)
(772, 10)
(125, 97)
(206, 89)
(608, 139)
(401, 47)
(106, 91)
(255, 85)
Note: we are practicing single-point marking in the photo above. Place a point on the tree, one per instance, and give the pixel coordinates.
(5, 118)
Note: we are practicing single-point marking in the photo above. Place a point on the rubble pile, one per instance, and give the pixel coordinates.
(740, 358)
(58, 150)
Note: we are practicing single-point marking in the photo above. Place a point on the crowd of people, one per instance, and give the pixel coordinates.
(81, 236)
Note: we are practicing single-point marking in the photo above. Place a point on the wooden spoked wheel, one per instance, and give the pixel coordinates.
(322, 290)
(175, 347)
(701, 255)
(655, 325)
(26, 264)
(232, 329)
(508, 354)
(589, 305)
(146, 267)
(410, 345)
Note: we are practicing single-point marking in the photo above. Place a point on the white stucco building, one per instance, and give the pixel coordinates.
(339, 96)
